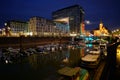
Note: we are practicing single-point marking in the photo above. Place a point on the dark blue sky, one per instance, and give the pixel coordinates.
(95, 10)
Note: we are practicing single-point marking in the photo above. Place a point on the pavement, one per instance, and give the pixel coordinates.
(99, 71)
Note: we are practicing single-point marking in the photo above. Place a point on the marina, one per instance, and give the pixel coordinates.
(42, 63)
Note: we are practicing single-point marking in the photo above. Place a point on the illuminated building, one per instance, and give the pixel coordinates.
(18, 27)
(73, 15)
(62, 28)
(40, 26)
(82, 28)
(102, 31)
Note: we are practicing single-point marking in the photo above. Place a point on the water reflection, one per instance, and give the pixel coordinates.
(48, 64)
(89, 45)
(118, 56)
(44, 66)
(67, 57)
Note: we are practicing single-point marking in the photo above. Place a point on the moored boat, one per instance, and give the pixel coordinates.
(90, 61)
(76, 73)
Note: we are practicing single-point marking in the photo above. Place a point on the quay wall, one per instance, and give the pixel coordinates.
(30, 41)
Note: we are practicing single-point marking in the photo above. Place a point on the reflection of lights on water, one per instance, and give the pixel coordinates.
(69, 46)
(60, 48)
(118, 52)
(118, 55)
(89, 45)
(73, 48)
(87, 50)
(88, 38)
(66, 60)
(53, 49)
(6, 61)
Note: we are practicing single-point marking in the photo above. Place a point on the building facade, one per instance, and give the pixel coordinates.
(18, 27)
(40, 26)
(73, 15)
(101, 31)
(62, 28)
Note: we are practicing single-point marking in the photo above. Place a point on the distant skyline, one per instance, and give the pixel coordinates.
(95, 10)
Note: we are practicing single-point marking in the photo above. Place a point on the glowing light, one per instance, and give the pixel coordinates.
(87, 22)
(5, 24)
(73, 34)
(6, 61)
(30, 33)
(66, 19)
(117, 30)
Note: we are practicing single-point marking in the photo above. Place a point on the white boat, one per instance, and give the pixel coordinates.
(90, 60)
(95, 51)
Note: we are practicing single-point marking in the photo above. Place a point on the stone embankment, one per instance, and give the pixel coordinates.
(30, 41)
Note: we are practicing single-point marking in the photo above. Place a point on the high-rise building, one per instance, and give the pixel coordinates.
(73, 15)
(61, 28)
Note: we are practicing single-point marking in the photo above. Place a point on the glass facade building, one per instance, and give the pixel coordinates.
(62, 28)
(74, 15)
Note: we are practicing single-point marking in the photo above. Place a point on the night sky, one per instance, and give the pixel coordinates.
(95, 10)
